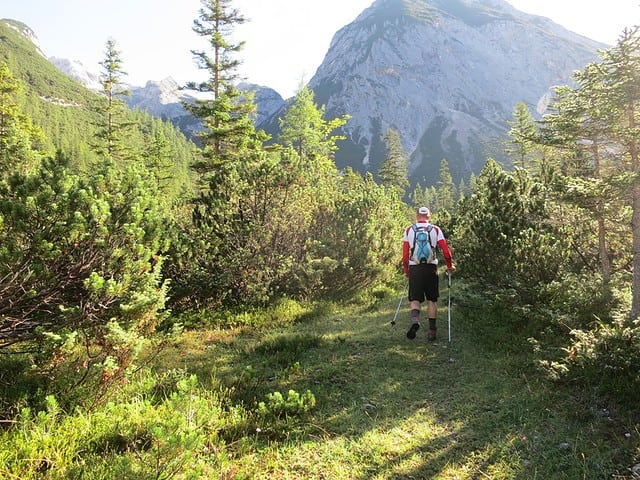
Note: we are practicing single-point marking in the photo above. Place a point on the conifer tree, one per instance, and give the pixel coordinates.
(114, 130)
(522, 136)
(463, 190)
(304, 128)
(418, 197)
(394, 169)
(621, 65)
(577, 130)
(227, 114)
(595, 125)
(19, 138)
(446, 191)
(506, 214)
(231, 153)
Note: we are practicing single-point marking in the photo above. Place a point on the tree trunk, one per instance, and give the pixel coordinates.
(635, 226)
(605, 264)
(635, 219)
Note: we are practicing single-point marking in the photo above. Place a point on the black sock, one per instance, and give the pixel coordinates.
(432, 323)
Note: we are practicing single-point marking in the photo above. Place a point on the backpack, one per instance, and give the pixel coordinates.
(422, 251)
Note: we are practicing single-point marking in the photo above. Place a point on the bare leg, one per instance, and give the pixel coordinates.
(432, 309)
(415, 319)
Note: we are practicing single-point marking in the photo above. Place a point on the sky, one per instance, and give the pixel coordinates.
(285, 40)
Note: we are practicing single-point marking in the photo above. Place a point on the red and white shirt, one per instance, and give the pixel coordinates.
(436, 238)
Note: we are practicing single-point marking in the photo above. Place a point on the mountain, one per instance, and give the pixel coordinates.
(66, 110)
(447, 74)
(79, 72)
(164, 99)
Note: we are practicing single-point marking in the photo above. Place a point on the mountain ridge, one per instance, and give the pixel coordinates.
(448, 83)
(446, 74)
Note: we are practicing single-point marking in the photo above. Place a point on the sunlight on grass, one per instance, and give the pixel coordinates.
(346, 397)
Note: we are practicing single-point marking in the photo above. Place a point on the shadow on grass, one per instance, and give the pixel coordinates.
(419, 410)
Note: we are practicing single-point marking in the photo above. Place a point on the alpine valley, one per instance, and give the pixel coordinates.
(446, 74)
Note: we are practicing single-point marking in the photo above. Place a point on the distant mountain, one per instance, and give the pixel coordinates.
(65, 109)
(164, 98)
(79, 72)
(447, 74)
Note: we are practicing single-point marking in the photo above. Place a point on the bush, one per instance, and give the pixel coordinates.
(79, 267)
(293, 405)
(607, 358)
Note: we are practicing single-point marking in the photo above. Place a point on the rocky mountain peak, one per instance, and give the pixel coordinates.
(79, 72)
(25, 31)
(446, 74)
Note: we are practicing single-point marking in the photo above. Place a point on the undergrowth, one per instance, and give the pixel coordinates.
(341, 394)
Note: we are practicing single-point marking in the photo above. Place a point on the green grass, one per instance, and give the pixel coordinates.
(385, 408)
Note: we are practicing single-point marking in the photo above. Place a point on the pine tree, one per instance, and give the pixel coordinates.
(304, 128)
(418, 197)
(506, 214)
(595, 126)
(578, 127)
(621, 65)
(522, 136)
(227, 115)
(446, 191)
(114, 130)
(217, 245)
(394, 169)
(19, 138)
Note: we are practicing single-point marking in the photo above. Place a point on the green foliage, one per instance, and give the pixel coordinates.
(304, 127)
(580, 300)
(503, 238)
(446, 191)
(285, 350)
(295, 404)
(113, 130)
(606, 357)
(80, 256)
(357, 243)
(19, 138)
(277, 223)
(60, 114)
(128, 440)
(359, 397)
(280, 312)
(394, 171)
(522, 136)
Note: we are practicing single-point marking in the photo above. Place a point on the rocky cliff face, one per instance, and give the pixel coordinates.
(446, 74)
(78, 71)
(164, 99)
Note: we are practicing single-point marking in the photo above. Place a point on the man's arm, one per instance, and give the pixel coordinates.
(405, 257)
(446, 253)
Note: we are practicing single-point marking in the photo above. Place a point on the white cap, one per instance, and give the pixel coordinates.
(424, 211)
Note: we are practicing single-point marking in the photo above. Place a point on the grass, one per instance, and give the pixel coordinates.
(385, 408)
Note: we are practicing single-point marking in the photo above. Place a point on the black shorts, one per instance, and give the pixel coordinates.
(423, 282)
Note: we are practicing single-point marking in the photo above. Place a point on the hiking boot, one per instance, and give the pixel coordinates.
(411, 334)
(431, 336)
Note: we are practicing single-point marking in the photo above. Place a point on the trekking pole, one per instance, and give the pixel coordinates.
(449, 305)
(393, 322)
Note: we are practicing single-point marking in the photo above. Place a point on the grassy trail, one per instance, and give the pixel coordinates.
(393, 408)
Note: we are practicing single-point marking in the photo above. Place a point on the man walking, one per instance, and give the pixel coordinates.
(419, 247)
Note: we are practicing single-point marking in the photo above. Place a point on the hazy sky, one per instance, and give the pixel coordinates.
(286, 40)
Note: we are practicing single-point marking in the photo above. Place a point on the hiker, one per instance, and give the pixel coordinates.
(419, 247)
